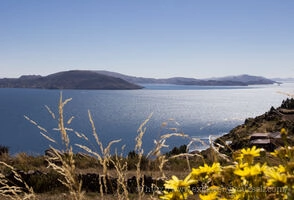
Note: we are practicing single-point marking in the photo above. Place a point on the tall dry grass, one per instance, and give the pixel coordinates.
(121, 167)
(10, 189)
(104, 157)
(139, 150)
(63, 161)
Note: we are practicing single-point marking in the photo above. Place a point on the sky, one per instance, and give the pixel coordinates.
(148, 38)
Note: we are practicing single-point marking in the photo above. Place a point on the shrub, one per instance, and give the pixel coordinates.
(177, 150)
(3, 150)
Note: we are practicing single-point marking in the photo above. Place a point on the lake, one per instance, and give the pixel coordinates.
(198, 111)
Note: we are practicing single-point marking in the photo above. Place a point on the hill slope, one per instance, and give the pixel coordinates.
(270, 122)
(75, 79)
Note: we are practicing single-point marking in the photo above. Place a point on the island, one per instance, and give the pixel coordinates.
(74, 79)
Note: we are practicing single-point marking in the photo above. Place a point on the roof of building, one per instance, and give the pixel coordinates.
(261, 141)
(265, 135)
(259, 135)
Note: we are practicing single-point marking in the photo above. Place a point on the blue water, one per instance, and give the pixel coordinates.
(117, 114)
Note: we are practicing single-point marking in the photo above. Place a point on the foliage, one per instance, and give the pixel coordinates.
(288, 103)
(133, 158)
(177, 150)
(13, 186)
(3, 150)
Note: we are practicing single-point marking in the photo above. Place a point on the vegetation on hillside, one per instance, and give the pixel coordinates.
(270, 122)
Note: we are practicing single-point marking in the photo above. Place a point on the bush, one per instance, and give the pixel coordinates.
(177, 150)
(3, 150)
(44, 182)
(288, 103)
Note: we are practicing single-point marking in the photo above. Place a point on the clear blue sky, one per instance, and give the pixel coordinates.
(150, 38)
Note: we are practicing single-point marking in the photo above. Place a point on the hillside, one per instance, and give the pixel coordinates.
(270, 123)
(75, 79)
(242, 80)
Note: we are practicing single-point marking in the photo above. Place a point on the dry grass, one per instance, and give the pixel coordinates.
(88, 196)
(67, 171)
(104, 157)
(67, 167)
(140, 151)
(10, 190)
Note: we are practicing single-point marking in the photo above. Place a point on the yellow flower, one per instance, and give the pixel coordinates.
(250, 170)
(248, 154)
(277, 179)
(175, 195)
(242, 165)
(235, 195)
(243, 172)
(276, 176)
(215, 168)
(253, 152)
(176, 184)
(238, 197)
(209, 196)
(180, 188)
(283, 132)
(275, 153)
(282, 152)
(281, 169)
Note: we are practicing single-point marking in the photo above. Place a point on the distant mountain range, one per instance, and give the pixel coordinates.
(241, 80)
(85, 79)
(283, 79)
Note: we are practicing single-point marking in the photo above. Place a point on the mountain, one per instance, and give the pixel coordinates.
(247, 79)
(242, 80)
(75, 79)
(132, 79)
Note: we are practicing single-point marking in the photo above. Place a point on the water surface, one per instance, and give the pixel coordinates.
(193, 110)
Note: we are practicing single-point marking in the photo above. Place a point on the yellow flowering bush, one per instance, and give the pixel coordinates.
(245, 178)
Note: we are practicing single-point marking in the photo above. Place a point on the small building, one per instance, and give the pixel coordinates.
(264, 140)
